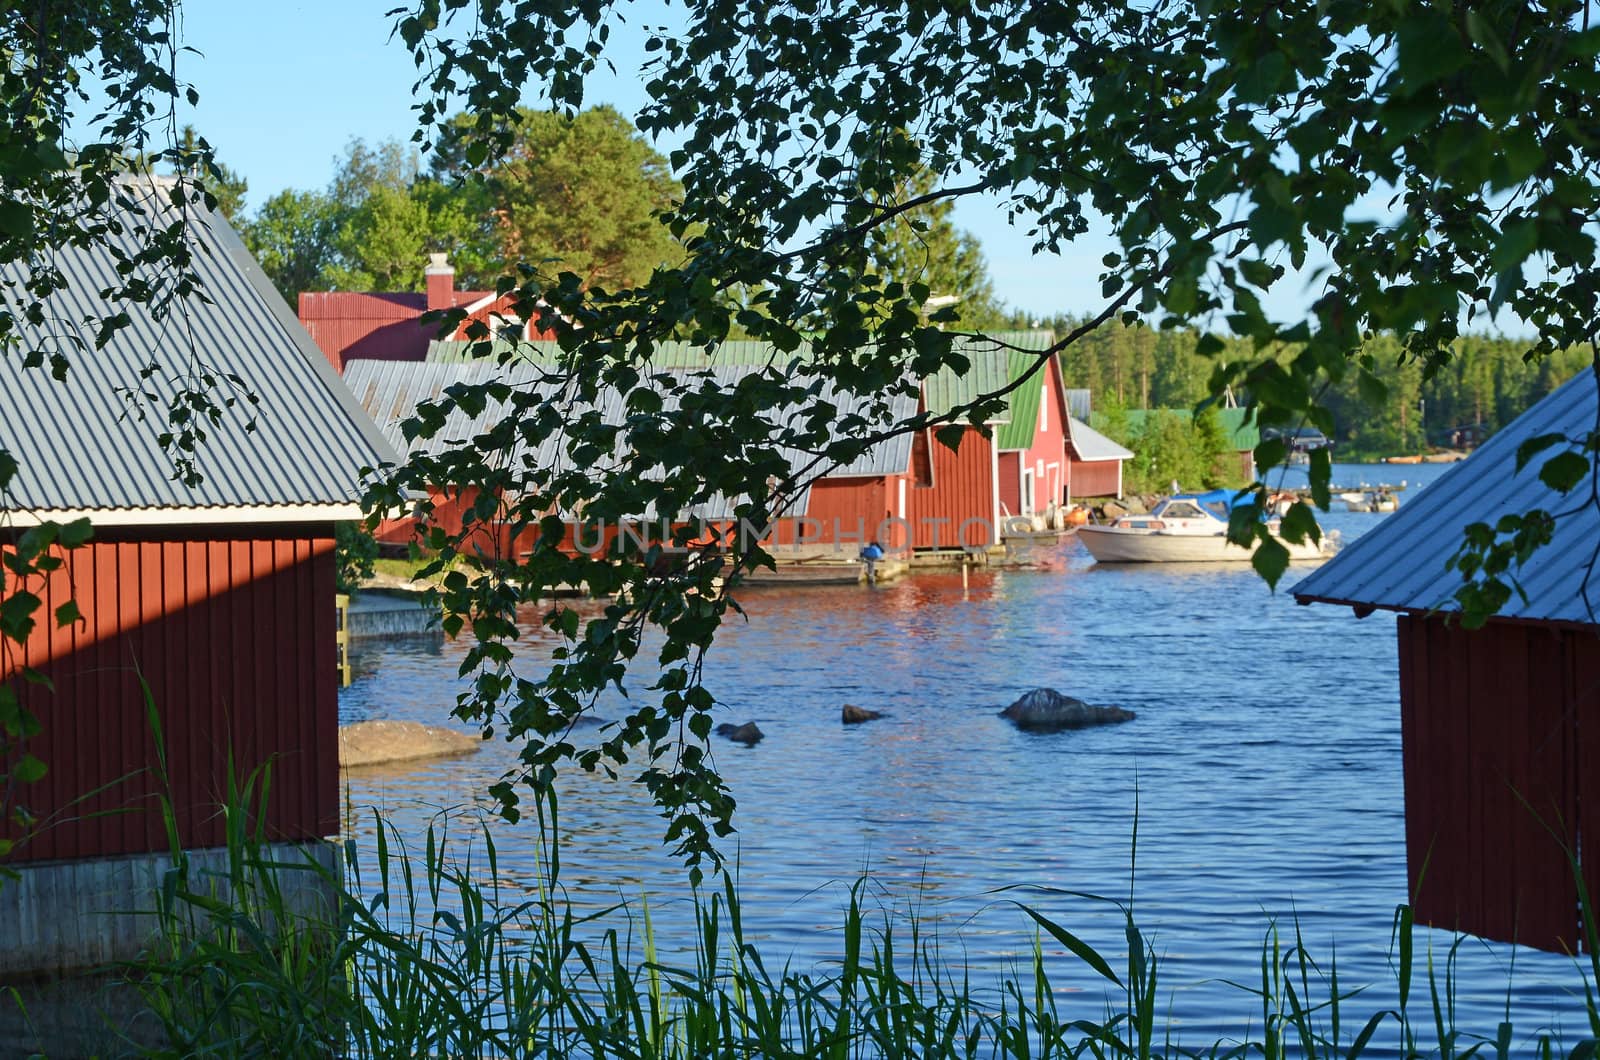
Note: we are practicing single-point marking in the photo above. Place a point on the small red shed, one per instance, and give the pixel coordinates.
(218, 595)
(1094, 462)
(1500, 725)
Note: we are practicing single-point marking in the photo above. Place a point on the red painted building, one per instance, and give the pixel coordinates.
(1032, 463)
(956, 504)
(1094, 463)
(353, 325)
(217, 596)
(1500, 725)
(852, 505)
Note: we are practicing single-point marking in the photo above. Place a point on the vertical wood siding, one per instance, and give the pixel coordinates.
(1092, 478)
(233, 630)
(849, 512)
(1010, 485)
(963, 488)
(1493, 723)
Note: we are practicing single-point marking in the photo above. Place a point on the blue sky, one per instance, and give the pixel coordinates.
(285, 86)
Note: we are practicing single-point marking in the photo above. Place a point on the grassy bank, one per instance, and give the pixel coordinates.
(429, 957)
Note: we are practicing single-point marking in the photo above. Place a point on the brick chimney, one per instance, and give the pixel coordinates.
(441, 278)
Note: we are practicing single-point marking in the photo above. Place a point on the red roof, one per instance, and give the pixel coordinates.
(376, 305)
(376, 325)
(386, 326)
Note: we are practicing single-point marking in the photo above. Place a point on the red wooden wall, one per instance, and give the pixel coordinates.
(1501, 730)
(450, 508)
(963, 487)
(1009, 467)
(233, 630)
(347, 325)
(850, 512)
(1092, 478)
(1048, 455)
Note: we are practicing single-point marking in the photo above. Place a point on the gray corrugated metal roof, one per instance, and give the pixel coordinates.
(1400, 564)
(1090, 444)
(887, 457)
(78, 448)
(1079, 403)
(664, 355)
(944, 390)
(391, 391)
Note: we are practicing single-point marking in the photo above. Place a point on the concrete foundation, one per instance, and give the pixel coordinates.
(68, 927)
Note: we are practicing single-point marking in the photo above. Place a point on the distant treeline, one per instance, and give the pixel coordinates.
(1488, 382)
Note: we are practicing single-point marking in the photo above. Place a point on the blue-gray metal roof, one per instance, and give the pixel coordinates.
(1090, 444)
(944, 390)
(1079, 403)
(82, 452)
(391, 391)
(888, 457)
(1400, 563)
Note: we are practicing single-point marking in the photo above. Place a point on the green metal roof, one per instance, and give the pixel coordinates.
(1024, 401)
(945, 390)
(1239, 424)
(997, 360)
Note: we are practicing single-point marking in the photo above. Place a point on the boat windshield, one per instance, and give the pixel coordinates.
(1218, 509)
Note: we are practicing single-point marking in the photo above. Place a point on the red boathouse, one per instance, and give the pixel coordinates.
(1032, 444)
(847, 508)
(1500, 725)
(216, 595)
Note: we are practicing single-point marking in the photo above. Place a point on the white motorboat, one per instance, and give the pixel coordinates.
(1185, 528)
(1381, 500)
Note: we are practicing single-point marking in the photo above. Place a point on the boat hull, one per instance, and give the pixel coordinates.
(1110, 544)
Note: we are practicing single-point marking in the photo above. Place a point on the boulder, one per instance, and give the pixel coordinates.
(372, 743)
(746, 734)
(854, 715)
(1112, 510)
(1046, 710)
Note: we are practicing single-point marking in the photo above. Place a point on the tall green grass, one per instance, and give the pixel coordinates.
(422, 954)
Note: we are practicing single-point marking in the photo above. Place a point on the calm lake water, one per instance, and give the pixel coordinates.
(1264, 769)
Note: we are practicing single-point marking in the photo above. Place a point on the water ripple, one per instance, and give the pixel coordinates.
(1263, 769)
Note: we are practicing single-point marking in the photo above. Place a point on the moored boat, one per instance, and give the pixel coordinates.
(1380, 500)
(1184, 528)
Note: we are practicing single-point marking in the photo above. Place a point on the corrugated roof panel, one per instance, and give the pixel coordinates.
(1400, 564)
(391, 392)
(1023, 401)
(1079, 403)
(665, 355)
(887, 457)
(1090, 444)
(83, 447)
(988, 373)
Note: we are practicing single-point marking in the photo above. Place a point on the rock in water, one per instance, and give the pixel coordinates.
(853, 715)
(373, 743)
(1046, 710)
(746, 734)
